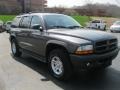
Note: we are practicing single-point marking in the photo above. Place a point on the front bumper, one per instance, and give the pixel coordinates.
(113, 30)
(94, 60)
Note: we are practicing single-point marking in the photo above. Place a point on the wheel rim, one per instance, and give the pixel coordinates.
(57, 65)
(13, 48)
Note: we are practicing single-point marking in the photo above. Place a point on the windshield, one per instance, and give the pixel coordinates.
(117, 23)
(60, 21)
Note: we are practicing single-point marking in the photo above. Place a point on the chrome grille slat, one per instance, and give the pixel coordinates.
(105, 46)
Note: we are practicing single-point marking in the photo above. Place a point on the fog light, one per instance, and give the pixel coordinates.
(88, 64)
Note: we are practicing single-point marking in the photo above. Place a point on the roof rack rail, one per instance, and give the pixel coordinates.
(22, 13)
(36, 11)
(33, 12)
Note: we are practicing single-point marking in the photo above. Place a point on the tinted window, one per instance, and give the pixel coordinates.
(16, 21)
(96, 21)
(25, 22)
(35, 21)
(60, 21)
(9, 22)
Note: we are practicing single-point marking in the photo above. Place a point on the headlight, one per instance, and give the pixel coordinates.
(84, 49)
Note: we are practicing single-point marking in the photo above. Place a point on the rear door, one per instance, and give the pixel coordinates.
(23, 34)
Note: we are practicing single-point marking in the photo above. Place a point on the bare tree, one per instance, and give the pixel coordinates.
(89, 2)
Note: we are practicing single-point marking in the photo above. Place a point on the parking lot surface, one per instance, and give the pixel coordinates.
(26, 73)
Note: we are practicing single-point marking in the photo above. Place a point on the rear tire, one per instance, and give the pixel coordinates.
(59, 64)
(98, 27)
(104, 28)
(15, 48)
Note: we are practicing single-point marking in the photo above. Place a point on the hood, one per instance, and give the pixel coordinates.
(91, 35)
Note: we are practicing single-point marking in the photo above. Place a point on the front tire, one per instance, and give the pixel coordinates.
(59, 64)
(15, 48)
(112, 31)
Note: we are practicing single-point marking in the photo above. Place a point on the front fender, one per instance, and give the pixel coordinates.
(61, 43)
(68, 46)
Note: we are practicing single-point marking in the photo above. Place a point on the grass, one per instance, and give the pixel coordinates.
(81, 19)
(5, 18)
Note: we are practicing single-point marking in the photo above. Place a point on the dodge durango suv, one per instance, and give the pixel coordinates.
(61, 42)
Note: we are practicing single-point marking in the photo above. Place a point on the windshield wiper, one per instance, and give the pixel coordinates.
(59, 27)
(69, 27)
(72, 27)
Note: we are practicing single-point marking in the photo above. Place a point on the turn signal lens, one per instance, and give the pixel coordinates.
(84, 49)
(84, 52)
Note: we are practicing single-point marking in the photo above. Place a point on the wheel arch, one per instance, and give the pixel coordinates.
(55, 45)
(12, 36)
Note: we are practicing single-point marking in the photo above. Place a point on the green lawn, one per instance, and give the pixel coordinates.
(6, 17)
(81, 19)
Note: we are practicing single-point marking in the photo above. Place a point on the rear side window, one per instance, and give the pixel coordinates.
(16, 21)
(8, 22)
(96, 21)
(25, 23)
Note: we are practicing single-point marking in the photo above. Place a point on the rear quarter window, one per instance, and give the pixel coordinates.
(25, 22)
(16, 21)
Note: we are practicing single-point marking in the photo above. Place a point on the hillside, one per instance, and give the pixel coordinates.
(81, 19)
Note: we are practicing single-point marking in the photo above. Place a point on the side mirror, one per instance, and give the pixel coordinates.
(38, 27)
(41, 28)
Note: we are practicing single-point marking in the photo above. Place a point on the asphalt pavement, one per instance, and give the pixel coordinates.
(26, 73)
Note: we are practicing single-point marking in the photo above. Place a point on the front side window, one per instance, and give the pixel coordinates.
(35, 21)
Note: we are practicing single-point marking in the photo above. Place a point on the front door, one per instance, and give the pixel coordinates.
(37, 37)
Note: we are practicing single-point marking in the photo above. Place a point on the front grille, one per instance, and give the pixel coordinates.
(105, 46)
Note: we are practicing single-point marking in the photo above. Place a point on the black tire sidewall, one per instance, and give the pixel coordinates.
(105, 27)
(18, 53)
(66, 64)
